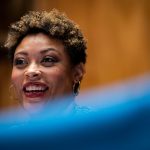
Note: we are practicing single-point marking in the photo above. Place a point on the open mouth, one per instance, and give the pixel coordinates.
(33, 90)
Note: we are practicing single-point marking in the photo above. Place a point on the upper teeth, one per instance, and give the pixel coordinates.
(34, 88)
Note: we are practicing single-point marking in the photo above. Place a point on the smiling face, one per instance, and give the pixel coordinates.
(42, 70)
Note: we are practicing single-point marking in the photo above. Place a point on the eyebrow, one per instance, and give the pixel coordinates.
(42, 51)
(22, 53)
(47, 50)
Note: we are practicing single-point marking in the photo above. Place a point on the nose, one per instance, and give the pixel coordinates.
(33, 73)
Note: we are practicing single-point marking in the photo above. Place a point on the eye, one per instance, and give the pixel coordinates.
(20, 62)
(48, 61)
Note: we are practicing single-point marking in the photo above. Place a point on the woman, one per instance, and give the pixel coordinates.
(48, 54)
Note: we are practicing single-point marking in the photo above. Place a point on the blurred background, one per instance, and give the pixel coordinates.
(118, 33)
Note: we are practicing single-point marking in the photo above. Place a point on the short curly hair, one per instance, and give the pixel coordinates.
(55, 24)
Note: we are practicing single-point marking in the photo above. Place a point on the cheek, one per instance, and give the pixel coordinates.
(60, 79)
(16, 78)
(57, 76)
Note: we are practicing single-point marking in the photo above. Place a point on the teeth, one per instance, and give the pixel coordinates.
(35, 88)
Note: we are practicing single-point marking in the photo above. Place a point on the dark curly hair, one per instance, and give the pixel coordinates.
(55, 24)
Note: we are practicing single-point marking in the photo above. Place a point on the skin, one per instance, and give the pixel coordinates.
(43, 61)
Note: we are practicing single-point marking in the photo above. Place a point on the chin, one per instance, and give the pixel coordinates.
(34, 107)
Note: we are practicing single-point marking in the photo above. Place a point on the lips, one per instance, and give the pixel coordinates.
(34, 90)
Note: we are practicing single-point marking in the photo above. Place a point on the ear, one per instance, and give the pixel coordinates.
(78, 72)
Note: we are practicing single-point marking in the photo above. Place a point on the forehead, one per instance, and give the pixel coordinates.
(39, 41)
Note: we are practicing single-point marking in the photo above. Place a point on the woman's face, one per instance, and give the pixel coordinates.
(41, 70)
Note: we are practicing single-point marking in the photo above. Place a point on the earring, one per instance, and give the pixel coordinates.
(76, 88)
